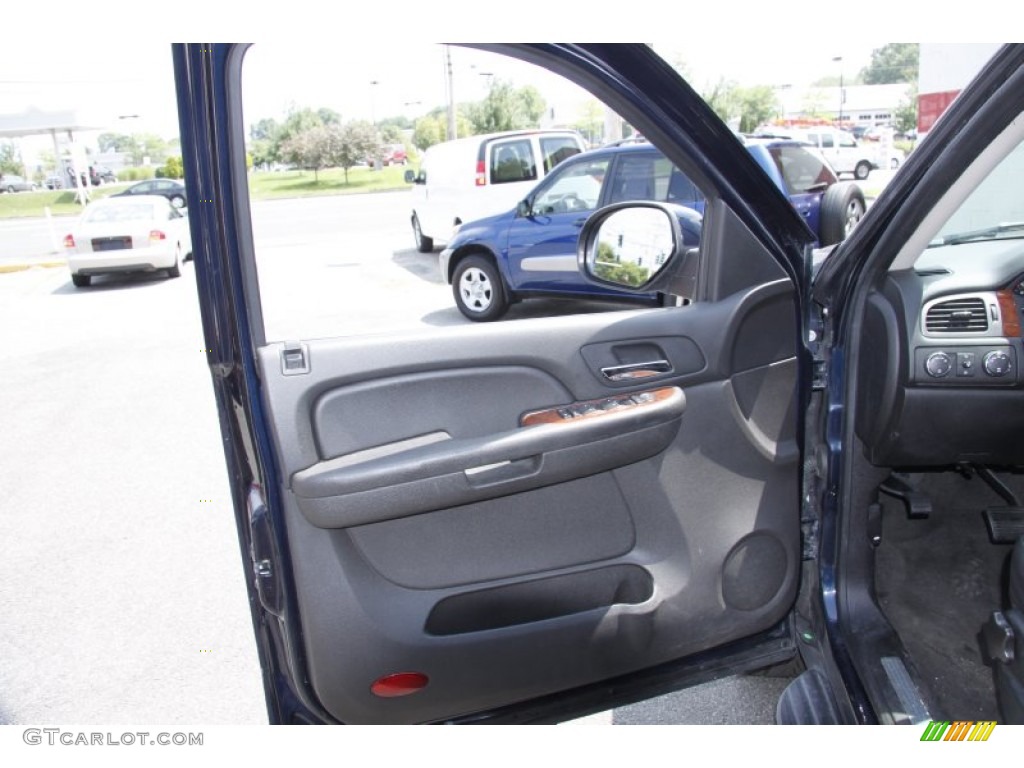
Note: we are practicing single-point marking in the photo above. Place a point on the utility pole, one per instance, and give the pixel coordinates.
(452, 130)
(842, 92)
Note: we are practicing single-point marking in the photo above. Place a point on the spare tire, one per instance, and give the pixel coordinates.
(841, 208)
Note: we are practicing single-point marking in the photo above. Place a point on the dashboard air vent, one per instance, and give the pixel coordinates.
(957, 316)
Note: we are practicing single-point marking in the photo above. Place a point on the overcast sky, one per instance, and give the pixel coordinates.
(113, 60)
(409, 79)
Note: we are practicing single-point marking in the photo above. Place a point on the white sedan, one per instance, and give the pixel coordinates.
(127, 234)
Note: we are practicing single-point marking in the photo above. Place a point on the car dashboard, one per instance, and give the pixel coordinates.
(942, 347)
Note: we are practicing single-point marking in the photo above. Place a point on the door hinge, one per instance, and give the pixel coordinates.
(816, 329)
(819, 375)
(263, 553)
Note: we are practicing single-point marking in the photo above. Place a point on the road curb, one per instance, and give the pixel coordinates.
(23, 266)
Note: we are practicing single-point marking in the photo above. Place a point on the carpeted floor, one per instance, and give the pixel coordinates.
(938, 580)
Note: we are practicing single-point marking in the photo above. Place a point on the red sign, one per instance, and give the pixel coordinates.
(930, 107)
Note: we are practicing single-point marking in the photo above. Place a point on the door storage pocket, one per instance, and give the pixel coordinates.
(540, 599)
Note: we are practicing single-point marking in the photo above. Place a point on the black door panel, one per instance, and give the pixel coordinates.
(484, 553)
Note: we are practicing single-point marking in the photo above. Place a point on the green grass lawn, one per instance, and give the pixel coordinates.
(270, 184)
(61, 202)
(263, 186)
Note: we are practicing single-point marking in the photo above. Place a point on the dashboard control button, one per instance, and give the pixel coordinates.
(938, 364)
(965, 364)
(996, 363)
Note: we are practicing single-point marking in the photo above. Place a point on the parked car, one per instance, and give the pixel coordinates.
(143, 233)
(531, 250)
(466, 179)
(11, 183)
(98, 175)
(803, 462)
(54, 182)
(391, 154)
(844, 153)
(174, 191)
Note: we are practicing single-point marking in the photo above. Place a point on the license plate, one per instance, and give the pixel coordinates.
(111, 243)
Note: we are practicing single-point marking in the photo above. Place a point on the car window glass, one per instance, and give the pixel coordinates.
(512, 161)
(802, 171)
(847, 141)
(576, 188)
(996, 201)
(826, 141)
(372, 263)
(642, 176)
(556, 149)
(134, 210)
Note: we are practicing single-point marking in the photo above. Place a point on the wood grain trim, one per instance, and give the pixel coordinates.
(551, 415)
(1008, 309)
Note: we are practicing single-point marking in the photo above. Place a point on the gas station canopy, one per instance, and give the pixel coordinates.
(34, 121)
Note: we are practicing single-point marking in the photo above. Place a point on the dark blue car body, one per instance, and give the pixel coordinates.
(757, 316)
(533, 247)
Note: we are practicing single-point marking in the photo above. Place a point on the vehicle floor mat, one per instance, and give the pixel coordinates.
(938, 580)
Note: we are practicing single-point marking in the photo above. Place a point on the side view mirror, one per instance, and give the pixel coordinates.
(630, 245)
(524, 209)
(410, 177)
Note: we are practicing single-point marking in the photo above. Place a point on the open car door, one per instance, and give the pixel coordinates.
(519, 521)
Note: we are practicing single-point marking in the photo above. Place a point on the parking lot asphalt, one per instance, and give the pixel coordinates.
(122, 595)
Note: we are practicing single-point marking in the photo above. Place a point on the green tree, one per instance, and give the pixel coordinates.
(427, 132)
(115, 142)
(147, 145)
(905, 116)
(723, 99)
(892, 63)
(308, 149)
(390, 134)
(352, 143)
(507, 108)
(328, 116)
(531, 105)
(757, 104)
(611, 267)
(590, 121)
(400, 122)
(10, 159)
(749, 106)
(264, 141)
(173, 168)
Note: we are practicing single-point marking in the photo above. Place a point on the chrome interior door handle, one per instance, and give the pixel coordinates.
(636, 370)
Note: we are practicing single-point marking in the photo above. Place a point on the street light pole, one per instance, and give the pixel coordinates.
(452, 129)
(378, 161)
(842, 94)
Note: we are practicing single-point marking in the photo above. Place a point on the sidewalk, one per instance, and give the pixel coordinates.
(32, 242)
(20, 264)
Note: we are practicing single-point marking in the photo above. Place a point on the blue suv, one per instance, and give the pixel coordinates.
(531, 251)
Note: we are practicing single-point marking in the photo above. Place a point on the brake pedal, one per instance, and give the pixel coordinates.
(1005, 524)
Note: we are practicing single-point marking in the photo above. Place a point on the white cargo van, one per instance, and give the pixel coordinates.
(470, 178)
(843, 152)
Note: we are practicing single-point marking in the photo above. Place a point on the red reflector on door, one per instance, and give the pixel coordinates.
(400, 684)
